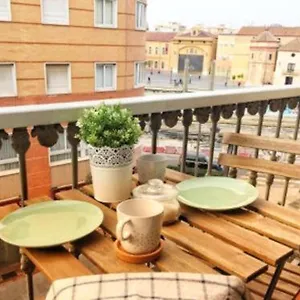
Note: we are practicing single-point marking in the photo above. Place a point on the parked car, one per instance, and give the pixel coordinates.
(217, 170)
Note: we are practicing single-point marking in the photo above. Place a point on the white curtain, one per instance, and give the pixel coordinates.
(55, 11)
(57, 79)
(7, 85)
(4, 10)
(109, 76)
(99, 76)
(105, 12)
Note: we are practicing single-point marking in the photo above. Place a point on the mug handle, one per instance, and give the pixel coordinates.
(120, 230)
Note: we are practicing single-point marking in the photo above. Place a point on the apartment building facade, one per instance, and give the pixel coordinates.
(63, 51)
(167, 51)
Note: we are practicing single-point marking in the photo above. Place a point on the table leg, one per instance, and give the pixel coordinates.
(74, 250)
(274, 280)
(28, 267)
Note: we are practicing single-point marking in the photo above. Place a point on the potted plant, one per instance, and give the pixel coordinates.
(110, 133)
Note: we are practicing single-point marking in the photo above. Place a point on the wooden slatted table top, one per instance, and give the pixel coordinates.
(248, 243)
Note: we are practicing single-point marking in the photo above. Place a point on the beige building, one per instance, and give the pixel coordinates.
(216, 30)
(262, 59)
(244, 40)
(168, 51)
(225, 52)
(197, 45)
(288, 64)
(158, 46)
(170, 27)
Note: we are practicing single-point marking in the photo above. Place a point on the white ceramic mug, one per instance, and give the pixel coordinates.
(151, 166)
(139, 225)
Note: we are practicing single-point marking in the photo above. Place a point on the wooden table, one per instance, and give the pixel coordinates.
(253, 244)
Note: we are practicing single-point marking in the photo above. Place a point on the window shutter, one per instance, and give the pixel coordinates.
(5, 10)
(55, 11)
(7, 86)
(57, 79)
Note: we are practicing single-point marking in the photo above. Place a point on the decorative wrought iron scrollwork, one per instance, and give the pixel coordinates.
(143, 121)
(47, 135)
(155, 122)
(187, 118)
(202, 114)
(240, 110)
(227, 111)
(171, 118)
(72, 133)
(293, 102)
(216, 113)
(20, 140)
(253, 108)
(278, 105)
(3, 136)
(263, 106)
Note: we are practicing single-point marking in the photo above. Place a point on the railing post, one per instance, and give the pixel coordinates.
(240, 112)
(215, 117)
(21, 144)
(187, 122)
(72, 132)
(202, 116)
(292, 157)
(263, 105)
(275, 106)
(155, 125)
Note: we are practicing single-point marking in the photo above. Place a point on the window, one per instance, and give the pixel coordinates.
(58, 79)
(8, 156)
(55, 12)
(167, 50)
(270, 56)
(150, 50)
(61, 151)
(105, 78)
(8, 85)
(5, 13)
(291, 67)
(139, 73)
(288, 80)
(140, 15)
(156, 50)
(106, 13)
(162, 65)
(156, 65)
(252, 55)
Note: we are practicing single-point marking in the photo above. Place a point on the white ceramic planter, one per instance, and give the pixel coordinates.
(111, 170)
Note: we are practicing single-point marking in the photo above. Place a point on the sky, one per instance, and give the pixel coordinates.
(233, 13)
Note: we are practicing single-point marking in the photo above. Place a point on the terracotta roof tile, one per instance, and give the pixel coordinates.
(200, 33)
(156, 36)
(276, 30)
(292, 46)
(266, 36)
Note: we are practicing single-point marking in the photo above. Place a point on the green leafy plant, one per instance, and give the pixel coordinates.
(233, 77)
(109, 126)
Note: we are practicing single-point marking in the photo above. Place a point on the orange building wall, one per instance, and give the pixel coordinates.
(30, 44)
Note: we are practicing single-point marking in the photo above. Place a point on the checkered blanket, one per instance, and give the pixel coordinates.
(168, 286)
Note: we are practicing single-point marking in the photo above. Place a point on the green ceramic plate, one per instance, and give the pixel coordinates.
(216, 193)
(50, 223)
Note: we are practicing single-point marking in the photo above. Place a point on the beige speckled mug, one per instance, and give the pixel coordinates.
(139, 225)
